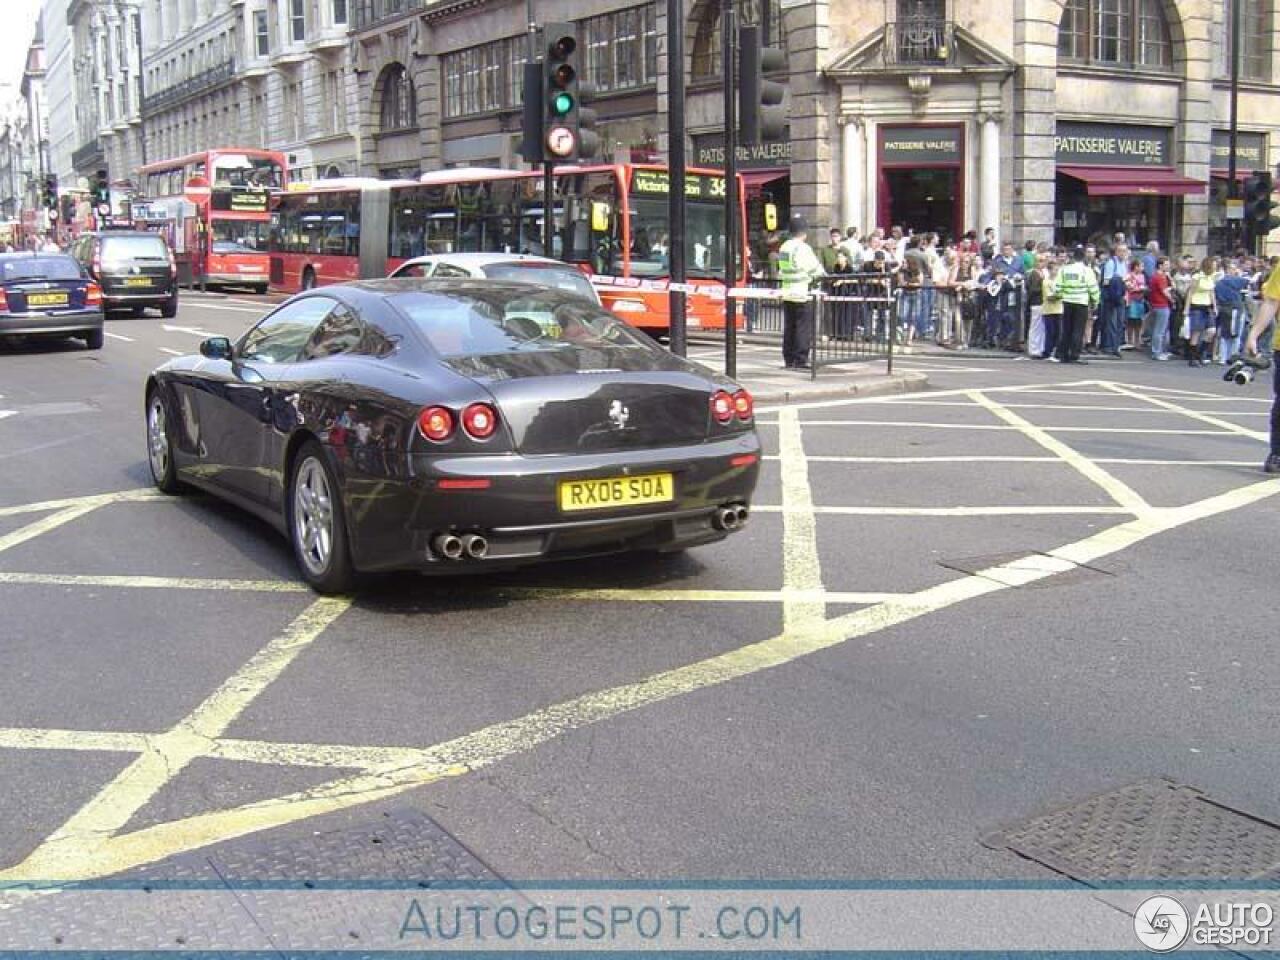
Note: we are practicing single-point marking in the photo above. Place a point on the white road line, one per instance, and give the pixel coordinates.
(1213, 421)
(209, 305)
(1120, 492)
(42, 526)
(1006, 428)
(973, 459)
(992, 511)
(119, 336)
(801, 568)
(171, 352)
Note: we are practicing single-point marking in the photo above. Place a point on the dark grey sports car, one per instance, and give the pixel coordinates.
(447, 425)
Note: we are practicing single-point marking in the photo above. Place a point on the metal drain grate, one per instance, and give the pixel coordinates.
(1151, 830)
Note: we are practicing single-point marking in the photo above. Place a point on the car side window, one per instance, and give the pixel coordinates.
(449, 270)
(282, 336)
(416, 270)
(339, 332)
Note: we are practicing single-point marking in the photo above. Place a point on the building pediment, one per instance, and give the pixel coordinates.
(916, 46)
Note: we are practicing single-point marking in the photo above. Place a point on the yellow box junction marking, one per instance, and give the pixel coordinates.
(90, 843)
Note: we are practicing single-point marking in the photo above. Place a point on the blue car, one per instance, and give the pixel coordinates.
(49, 294)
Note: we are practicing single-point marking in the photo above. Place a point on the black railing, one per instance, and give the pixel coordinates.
(369, 13)
(191, 87)
(920, 40)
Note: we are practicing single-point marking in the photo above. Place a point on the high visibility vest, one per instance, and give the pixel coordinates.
(793, 278)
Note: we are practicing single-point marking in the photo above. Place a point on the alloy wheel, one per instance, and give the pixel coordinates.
(313, 516)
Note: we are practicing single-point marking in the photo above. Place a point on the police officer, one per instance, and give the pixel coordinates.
(798, 268)
(1265, 317)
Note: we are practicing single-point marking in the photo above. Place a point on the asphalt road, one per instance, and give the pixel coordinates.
(950, 611)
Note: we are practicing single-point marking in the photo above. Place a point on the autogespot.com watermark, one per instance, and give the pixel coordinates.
(1162, 924)
(605, 923)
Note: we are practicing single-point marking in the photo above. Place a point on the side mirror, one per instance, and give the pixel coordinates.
(216, 348)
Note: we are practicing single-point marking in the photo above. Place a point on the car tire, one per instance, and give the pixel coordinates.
(160, 444)
(308, 279)
(316, 523)
(169, 309)
(93, 339)
(261, 291)
(139, 311)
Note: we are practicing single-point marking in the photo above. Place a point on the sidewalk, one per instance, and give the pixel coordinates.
(760, 371)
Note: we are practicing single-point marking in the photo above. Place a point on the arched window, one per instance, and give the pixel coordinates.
(706, 33)
(1122, 33)
(399, 110)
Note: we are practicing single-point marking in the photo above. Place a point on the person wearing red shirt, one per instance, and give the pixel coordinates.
(1160, 301)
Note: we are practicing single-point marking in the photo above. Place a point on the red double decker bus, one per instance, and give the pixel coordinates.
(215, 209)
(611, 220)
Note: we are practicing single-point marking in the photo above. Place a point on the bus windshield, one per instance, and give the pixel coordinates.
(239, 170)
(239, 236)
(651, 227)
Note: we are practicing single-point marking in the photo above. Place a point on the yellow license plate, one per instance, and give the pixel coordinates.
(47, 299)
(137, 281)
(616, 492)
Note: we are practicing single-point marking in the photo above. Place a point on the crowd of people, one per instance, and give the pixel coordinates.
(1042, 299)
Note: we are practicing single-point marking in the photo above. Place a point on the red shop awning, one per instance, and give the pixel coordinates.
(754, 179)
(1134, 181)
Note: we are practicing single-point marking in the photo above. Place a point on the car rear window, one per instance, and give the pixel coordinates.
(559, 278)
(39, 268)
(134, 248)
(467, 325)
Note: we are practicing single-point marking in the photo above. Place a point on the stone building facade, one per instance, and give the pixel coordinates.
(252, 73)
(1046, 119)
(105, 83)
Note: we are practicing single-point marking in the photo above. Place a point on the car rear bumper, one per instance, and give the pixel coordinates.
(238, 279)
(393, 525)
(141, 298)
(65, 321)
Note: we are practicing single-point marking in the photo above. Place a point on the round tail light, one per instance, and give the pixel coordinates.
(436, 424)
(722, 406)
(480, 420)
(743, 405)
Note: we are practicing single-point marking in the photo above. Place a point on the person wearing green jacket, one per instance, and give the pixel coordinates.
(1076, 286)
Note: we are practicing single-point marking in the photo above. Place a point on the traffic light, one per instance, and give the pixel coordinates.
(531, 116)
(1258, 203)
(588, 138)
(560, 93)
(761, 117)
(50, 192)
(101, 193)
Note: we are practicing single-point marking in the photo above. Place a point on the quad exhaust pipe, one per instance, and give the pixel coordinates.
(730, 517)
(448, 545)
(467, 546)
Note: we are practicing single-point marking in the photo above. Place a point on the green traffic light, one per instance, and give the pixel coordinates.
(561, 104)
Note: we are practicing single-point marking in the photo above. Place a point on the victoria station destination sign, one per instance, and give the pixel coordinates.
(1113, 145)
(696, 186)
(921, 145)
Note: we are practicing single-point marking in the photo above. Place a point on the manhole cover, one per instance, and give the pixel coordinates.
(1152, 830)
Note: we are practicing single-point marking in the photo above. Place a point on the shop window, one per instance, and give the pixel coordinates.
(1123, 33)
(399, 109)
(706, 32)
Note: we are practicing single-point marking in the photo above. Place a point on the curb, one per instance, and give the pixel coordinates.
(896, 383)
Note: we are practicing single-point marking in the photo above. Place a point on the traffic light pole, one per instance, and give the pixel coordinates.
(676, 161)
(548, 208)
(728, 28)
(1235, 227)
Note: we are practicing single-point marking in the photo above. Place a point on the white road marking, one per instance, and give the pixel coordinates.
(119, 336)
(209, 305)
(988, 511)
(801, 567)
(171, 352)
(1209, 419)
(1119, 491)
(194, 331)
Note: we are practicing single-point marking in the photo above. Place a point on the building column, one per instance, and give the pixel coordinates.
(989, 173)
(808, 39)
(852, 176)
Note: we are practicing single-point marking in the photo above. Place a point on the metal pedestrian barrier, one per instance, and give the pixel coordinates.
(856, 317)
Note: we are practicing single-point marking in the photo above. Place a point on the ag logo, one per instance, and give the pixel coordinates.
(1162, 924)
